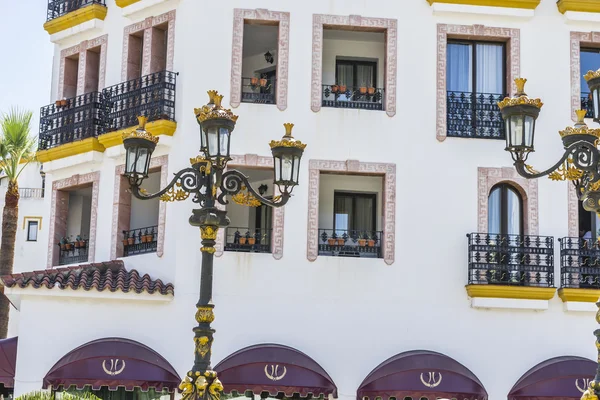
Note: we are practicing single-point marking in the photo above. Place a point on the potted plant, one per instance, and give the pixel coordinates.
(251, 240)
(244, 238)
(371, 241)
(144, 237)
(78, 241)
(371, 90)
(362, 89)
(254, 81)
(335, 88)
(131, 240)
(342, 88)
(362, 240)
(149, 236)
(57, 102)
(341, 241)
(63, 243)
(332, 240)
(63, 102)
(263, 81)
(68, 244)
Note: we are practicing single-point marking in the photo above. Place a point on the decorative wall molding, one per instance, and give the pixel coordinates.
(573, 204)
(577, 39)
(256, 161)
(528, 188)
(59, 209)
(82, 49)
(258, 15)
(388, 170)
(122, 197)
(146, 26)
(511, 36)
(354, 22)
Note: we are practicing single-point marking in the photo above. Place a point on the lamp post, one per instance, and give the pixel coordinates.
(208, 182)
(579, 164)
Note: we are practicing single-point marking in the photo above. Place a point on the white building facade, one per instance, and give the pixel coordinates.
(410, 229)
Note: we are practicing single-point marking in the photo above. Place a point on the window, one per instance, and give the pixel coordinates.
(70, 76)
(475, 82)
(590, 61)
(356, 74)
(32, 231)
(505, 211)
(92, 70)
(260, 59)
(354, 213)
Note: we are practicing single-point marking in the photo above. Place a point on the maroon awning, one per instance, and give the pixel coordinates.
(421, 373)
(559, 378)
(113, 362)
(8, 360)
(275, 369)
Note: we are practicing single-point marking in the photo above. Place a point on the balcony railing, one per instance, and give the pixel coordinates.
(248, 240)
(58, 8)
(152, 95)
(31, 193)
(70, 120)
(474, 115)
(579, 263)
(140, 241)
(345, 243)
(587, 104)
(73, 252)
(511, 260)
(257, 90)
(347, 97)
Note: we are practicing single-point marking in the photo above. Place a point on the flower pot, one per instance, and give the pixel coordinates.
(68, 246)
(363, 90)
(371, 90)
(63, 103)
(362, 242)
(335, 88)
(63, 246)
(149, 238)
(251, 241)
(263, 82)
(143, 238)
(125, 242)
(371, 243)
(342, 88)
(130, 241)
(331, 241)
(57, 103)
(340, 242)
(242, 240)
(254, 81)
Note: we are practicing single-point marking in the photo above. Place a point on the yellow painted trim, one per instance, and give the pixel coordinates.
(70, 149)
(75, 18)
(578, 5)
(156, 128)
(30, 218)
(510, 292)
(585, 295)
(528, 4)
(125, 3)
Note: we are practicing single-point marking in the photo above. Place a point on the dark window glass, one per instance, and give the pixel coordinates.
(32, 231)
(355, 74)
(478, 67)
(590, 61)
(354, 212)
(505, 210)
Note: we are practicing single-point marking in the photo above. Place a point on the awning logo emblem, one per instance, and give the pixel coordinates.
(586, 383)
(433, 380)
(114, 367)
(272, 372)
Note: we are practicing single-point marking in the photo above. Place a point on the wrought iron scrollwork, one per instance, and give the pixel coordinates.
(233, 182)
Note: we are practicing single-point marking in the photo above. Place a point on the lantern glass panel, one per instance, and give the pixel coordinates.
(213, 141)
(296, 169)
(516, 130)
(142, 161)
(224, 142)
(286, 168)
(529, 125)
(277, 168)
(203, 140)
(596, 97)
(130, 160)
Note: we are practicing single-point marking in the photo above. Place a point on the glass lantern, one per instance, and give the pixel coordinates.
(139, 146)
(216, 125)
(287, 154)
(593, 81)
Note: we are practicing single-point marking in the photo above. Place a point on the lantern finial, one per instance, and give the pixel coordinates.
(217, 100)
(520, 82)
(287, 140)
(142, 121)
(288, 129)
(520, 98)
(581, 116)
(211, 96)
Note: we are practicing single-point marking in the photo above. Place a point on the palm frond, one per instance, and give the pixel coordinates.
(16, 143)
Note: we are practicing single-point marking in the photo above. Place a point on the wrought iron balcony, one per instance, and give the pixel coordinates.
(140, 241)
(72, 252)
(247, 240)
(58, 8)
(587, 104)
(152, 95)
(511, 260)
(31, 193)
(474, 115)
(579, 263)
(66, 121)
(345, 243)
(259, 90)
(364, 98)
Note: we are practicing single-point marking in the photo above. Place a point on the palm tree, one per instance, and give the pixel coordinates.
(16, 151)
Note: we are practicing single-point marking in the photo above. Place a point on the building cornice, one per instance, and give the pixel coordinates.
(578, 6)
(70, 149)
(125, 3)
(581, 295)
(77, 17)
(511, 292)
(527, 4)
(156, 128)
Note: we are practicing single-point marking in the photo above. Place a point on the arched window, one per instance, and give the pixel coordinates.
(505, 210)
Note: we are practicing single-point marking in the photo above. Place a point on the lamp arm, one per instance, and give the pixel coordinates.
(232, 183)
(190, 179)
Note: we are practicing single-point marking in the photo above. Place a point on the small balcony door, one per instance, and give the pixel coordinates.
(355, 74)
(354, 213)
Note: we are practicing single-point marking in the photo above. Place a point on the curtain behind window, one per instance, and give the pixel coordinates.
(459, 74)
(364, 214)
(345, 75)
(494, 211)
(513, 211)
(343, 214)
(489, 61)
(364, 76)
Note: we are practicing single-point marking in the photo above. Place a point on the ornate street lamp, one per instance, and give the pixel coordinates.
(209, 184)
(579, 163)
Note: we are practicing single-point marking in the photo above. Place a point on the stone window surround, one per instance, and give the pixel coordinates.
(355, 22)
(487, 178)
(116, 245)
(473, 32)
(146, 26)
(256, 161)
(354, 167)
(71, 183)
(82, 49)
(577, 39)
(573, 207)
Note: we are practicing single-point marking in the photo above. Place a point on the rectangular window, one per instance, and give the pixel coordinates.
(92, 70)
(354, 212)
(259, 62)
(590, 61)
(134, 55)
(32, 231)
(158, 61)
(475, 82)
(356, 74)
(70, 76)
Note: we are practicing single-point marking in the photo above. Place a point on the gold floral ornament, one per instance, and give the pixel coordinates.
(202, 345)
(205, 314)
(209, 232)
(520, 97)
(201, 384)
(174, 194)
(530, 169)
(580, 127)
(214, 110)
(187, 387)
(245, 198)
(288, 140)
(566, 172)
(216, 387)
(140, 132)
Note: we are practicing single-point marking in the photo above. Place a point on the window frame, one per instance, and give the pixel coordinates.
(37, 227)
(354, 64)
(585, 49)
(504, 189)
(354, 196)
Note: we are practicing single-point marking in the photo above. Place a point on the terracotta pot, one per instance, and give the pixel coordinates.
(371, 90)
(335, 88)
(68, 246)
(63, 246)
(57, 103)
(331, 241)
(130, 241)
(340, 242)
(125, 242)
(143, 238)
(263, 82)
(82, 243)
(254, 81)
(242, 240)
(363, 90)
(251, 241)
(342, 88)
(149, 238)
(63, 103)
(362, 242)
(371, 243)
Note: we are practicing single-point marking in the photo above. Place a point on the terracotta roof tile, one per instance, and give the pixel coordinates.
(110, 275)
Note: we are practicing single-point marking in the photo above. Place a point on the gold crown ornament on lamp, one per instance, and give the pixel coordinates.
(579, 131)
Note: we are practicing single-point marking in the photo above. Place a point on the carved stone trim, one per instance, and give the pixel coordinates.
(511, 36)
(82, 48)
(388, 170)
(256, 161)
(528, 188)
(259, 14)
(573, 204)
(146, 26)
(577, 39)
(116, 244)
(365, 23)
(71, 183)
